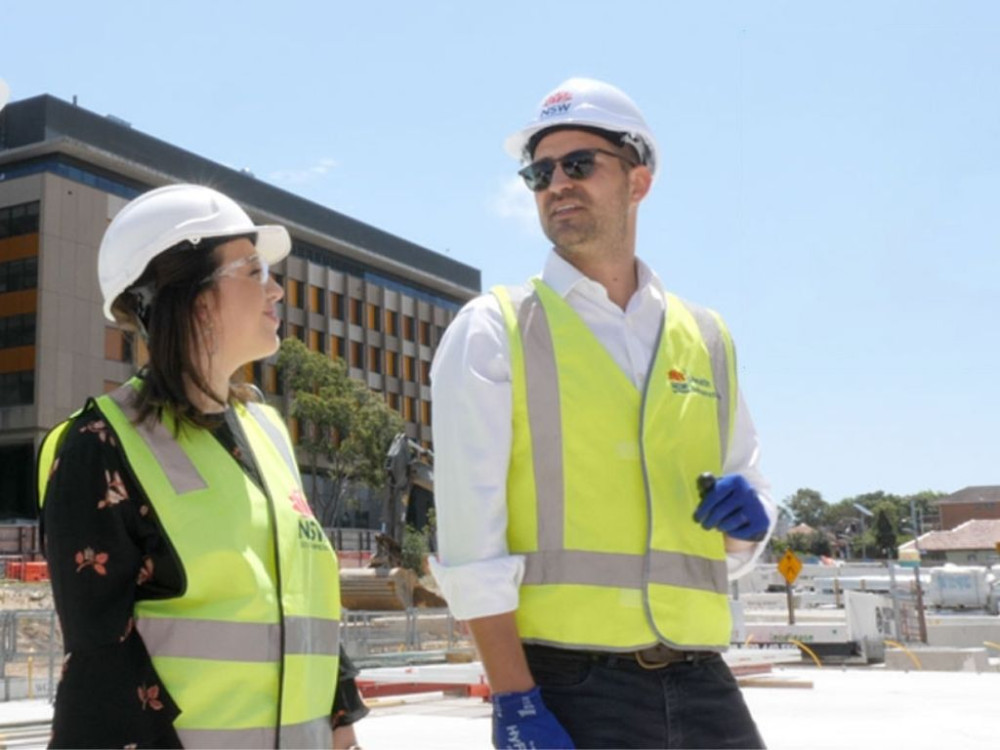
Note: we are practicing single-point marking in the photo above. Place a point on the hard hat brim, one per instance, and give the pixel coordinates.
(273, 243)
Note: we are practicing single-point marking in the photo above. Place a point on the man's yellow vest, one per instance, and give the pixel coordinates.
(250, 650)
(602, 481)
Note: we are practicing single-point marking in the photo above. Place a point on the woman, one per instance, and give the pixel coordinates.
(197, 607)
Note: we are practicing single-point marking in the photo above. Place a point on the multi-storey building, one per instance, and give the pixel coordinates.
(351, 290)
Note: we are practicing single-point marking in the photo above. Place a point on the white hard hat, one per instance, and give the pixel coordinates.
(4, 94)
(584, 102)
(156, 221)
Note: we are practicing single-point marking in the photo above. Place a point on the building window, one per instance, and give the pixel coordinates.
(408, 329)
(295, 293)
(357, 311)
(394, 401)
(374, 318)
(392, 364)
(17, 330)
(17, 388)
(337, 305)
(316, 300)
(270, 380)
(19, 219)
(336, 347)
(392, 322)
(19, 274)
(409, 407)
(425, 413)
(425, 333)
(317, 341)
(425, 372)
(113, 344)
(409, 364)
(357, 354)
(374, 359)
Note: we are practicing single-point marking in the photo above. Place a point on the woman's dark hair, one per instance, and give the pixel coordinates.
(162, 302)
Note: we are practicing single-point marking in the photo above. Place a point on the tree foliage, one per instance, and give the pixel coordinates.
(341, 423)
(856, 535)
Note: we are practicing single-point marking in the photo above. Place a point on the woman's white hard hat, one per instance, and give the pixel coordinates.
(584, 102)
(156, 221)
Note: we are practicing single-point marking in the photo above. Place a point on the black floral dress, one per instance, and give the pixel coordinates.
(107, 550)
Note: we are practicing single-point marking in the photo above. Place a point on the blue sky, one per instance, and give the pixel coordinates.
(830, 178)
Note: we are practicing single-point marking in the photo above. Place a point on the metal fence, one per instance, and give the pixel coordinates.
(31, 653)
(31, 648)
(379, 638)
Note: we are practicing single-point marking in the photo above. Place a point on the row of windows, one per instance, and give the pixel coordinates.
(358, 313)
(17, 388)
(267, 376)
(19, 274)
(17, 330)
(19, 219)
(382, 362)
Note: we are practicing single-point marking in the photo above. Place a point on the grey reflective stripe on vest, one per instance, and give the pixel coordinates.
(180, 472)
(556, 565)
(313, 733)
(220, 640)
(271, 430)
(542, 390)
(711, 333)
(624, 571)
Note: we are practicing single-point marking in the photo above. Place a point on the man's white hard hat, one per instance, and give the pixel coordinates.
(585, 102)
(156, 221)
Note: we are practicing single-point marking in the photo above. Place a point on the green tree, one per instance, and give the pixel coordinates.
(808, 507)
(342, 423)
(885, 534)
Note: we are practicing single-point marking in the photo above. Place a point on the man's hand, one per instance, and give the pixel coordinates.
(522, 722)
(731, 505)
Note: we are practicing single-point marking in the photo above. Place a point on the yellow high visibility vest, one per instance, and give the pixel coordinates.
(250, 650)
(602, 486)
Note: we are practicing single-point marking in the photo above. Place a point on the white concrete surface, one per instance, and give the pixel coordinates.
(855, 708)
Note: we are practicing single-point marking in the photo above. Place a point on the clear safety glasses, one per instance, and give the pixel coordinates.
(577, 165)
(259, 270)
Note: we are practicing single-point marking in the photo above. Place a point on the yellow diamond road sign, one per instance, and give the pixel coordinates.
(790, 566)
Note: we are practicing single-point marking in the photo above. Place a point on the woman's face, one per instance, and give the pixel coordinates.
(242, 323)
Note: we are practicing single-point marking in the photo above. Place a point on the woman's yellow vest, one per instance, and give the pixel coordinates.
(250, 650)
(601, 487)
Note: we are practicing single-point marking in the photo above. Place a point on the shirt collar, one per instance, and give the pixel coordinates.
(563, 277)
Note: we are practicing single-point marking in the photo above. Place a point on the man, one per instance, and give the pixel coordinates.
(573, 419)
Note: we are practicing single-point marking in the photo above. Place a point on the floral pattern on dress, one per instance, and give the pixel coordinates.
(145, 572)
(116, 491)
(100, 428)
(88, 558)
(149, 696)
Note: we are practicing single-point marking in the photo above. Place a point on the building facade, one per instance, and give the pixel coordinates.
(969, 504)
(352, 291)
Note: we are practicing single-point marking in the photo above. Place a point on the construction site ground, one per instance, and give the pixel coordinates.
(828, 708)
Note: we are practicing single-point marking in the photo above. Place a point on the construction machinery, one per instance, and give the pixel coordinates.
(385, 584)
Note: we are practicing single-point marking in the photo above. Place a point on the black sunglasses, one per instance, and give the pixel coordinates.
(577, 165)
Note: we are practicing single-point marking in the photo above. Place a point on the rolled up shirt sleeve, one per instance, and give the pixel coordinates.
(471, 392)
(743, 458)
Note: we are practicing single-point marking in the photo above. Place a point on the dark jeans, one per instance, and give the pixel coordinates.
(613, 702)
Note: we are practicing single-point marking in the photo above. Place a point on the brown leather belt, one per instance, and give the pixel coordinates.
(660, 655)
(654, 657)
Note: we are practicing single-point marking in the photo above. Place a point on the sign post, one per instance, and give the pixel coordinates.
(790, 566)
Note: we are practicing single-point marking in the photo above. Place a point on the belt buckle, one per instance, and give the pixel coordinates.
(658, 656)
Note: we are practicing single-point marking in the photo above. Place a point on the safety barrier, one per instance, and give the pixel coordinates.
(31, 653)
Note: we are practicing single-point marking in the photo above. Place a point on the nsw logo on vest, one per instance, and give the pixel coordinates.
(681, 384)
(310, 532)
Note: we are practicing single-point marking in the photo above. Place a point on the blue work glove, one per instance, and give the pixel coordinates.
(522, 722)
(731, 505)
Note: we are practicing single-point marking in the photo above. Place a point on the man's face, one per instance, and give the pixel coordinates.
(582, 215)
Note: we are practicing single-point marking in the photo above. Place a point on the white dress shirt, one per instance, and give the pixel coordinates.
(471, 392)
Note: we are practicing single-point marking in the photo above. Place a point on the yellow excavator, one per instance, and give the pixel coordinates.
(385, 584)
